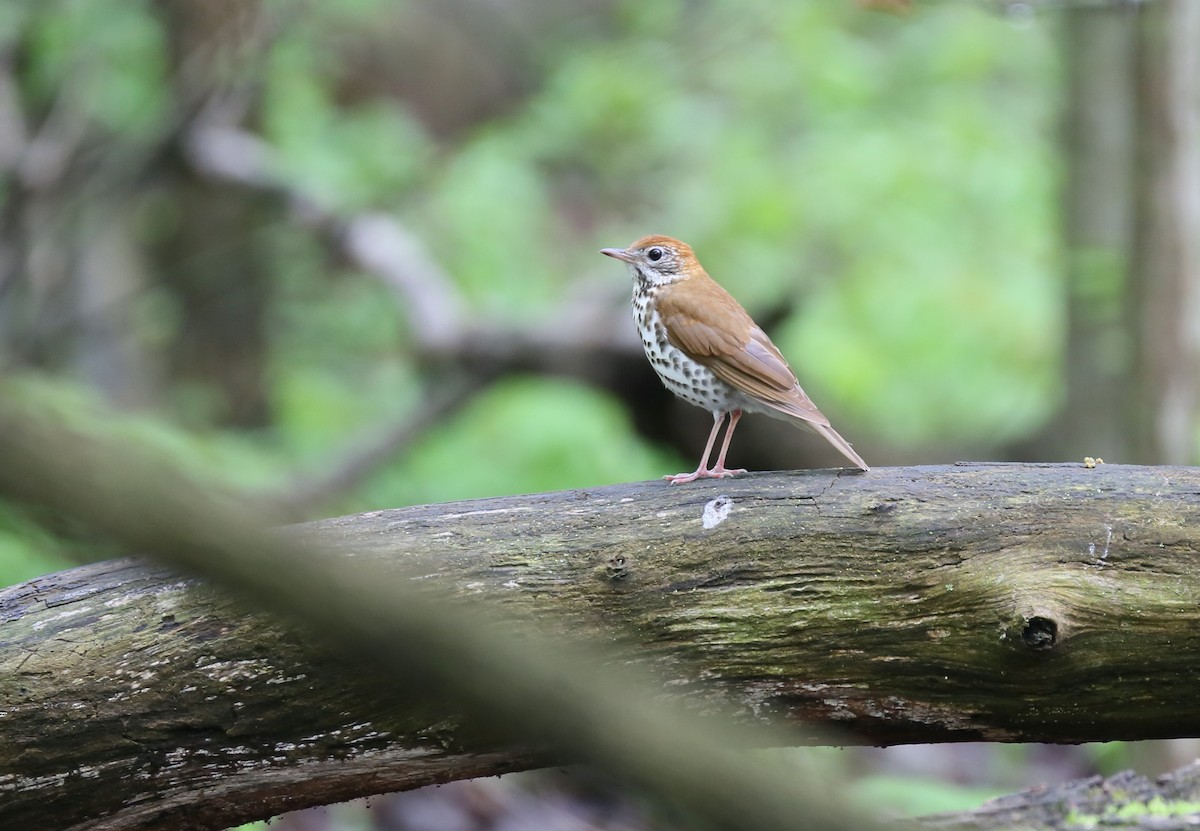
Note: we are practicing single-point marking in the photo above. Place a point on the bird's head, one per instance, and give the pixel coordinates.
(657, 260)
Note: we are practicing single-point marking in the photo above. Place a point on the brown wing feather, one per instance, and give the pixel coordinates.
(713, 329)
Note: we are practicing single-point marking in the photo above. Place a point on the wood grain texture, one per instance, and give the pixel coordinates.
(969, 602)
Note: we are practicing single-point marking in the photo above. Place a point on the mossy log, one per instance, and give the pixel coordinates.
(1050, 603)
(1123, 801)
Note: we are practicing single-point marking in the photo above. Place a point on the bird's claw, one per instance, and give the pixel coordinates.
(715, 473)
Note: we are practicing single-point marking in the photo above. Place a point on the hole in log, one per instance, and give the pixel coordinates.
(1040, 633)
(617, 568)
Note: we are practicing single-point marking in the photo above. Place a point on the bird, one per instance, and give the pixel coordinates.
(708, 351)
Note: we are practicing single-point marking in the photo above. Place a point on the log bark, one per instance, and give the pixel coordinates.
(967, 602)
(1125, 800)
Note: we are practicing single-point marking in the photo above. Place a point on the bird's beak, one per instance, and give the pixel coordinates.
(618, 253)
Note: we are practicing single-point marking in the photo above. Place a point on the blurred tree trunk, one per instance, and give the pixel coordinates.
(1166, 253)
(1131, 225)
(213, 258)
(72, 263)
(68, 266)
(1097, 203)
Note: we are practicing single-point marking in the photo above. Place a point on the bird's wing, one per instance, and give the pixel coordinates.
(715, 331)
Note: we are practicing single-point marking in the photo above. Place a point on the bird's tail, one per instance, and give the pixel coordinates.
(830, 435)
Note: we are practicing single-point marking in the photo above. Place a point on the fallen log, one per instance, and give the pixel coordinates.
(968, 602)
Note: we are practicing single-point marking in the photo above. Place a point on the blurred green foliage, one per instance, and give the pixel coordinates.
(524, 435)
(27, 549)
(888, 179)
(892, 179)
(913, 796)
(889, 182)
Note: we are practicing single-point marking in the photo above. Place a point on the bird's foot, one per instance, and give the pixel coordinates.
(701, 473)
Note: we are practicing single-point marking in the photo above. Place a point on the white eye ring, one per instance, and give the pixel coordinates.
(655, 254)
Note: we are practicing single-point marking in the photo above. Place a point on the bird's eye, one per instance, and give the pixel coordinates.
(655, 254)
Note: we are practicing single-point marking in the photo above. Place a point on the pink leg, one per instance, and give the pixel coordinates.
(720, 471)
(700, 472)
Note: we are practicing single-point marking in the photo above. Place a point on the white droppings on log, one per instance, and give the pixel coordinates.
(716, 511)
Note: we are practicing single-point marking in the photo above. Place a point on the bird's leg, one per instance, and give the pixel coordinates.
(720, 469)
(701, 472)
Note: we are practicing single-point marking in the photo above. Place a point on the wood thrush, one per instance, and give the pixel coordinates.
(707, 350)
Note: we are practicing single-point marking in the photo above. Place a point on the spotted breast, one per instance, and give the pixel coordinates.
(687, 378)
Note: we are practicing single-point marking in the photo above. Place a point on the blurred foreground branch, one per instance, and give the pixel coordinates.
(996, 602)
